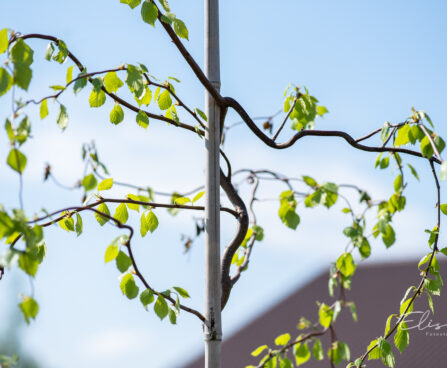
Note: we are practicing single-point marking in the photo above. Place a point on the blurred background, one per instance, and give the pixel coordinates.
(367, 62)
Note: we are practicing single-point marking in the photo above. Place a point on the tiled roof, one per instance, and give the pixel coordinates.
(376, 290)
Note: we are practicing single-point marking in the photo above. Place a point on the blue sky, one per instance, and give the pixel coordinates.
(367, 62)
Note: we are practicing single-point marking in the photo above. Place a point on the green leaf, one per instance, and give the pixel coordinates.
(444, 251)
(161, 307)
(147, 297)
(29, 308)
(89, 182)
(172, 317)
(398, 183)
(386, 353)
(426, 147)
(97, 97)
(149, 12)
(62, 118)
(374, 354)
(80, 83)
(443, 171)
(182, 201)
(310, 181)
(133, 206)
(134, 80)
(117, 114)
(121, 213)
(402, 337)
(69, 75)
(339, 351)
(21, 53)
(151, 221)
(321, 110)
(49, 51)
(346, 265)
(146, 99)
(181, 291)
(317, 350)
(433, 286)
(142, 119)
(413, 171)
(128, 286)
(180, 29)
(78, 227)
(201, 114)
(198, 196)
(5, 81)
(106, 184)
(67, 223)
(103, 209)
(402, 136)
(28, 264)
(123, 262)
(259, 350)
(443, 208)
(112, 82)
(43, 109)
(144, 228)
(164, 100)
(62, 53)
(16, 160)
(406, 307)
(3, 40)
(389, 237)
(325, 314)
(132, 3)
(302, 353)
(22, 76)
(165, 5)
(283, 339)
(111, 253)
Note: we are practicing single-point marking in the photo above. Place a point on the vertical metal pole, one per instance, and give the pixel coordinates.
(213, 327)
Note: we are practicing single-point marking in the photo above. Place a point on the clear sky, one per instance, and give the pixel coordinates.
(367, 61)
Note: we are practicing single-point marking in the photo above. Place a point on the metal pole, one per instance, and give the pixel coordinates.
(213, 326)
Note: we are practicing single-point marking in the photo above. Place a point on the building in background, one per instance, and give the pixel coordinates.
(377, 291)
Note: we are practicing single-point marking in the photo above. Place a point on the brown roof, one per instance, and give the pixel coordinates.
(376, 290)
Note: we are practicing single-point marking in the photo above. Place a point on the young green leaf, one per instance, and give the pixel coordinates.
(444, 208)
(69, 75)
(182, 200)
(132, 3)
(161, 307)
(151, 221)
(317, 350)
(181, 291)
(283, 339)
(5, 81)
(29, 308)
(117, 114)
(3, 40)
(111, 253)
(402, 337)
(43, 109)
(346, 265)
(105, 210)
(325, 314)
(172, 316)
(62, 118)
(302, 353)
(259, 350)
(121, 213)
(123, 262)
(112, 82)
(78, 227)
(149, 12)
(198, 196)
(16, 160)
(147, 297)
(89, 182)
(164, 100)
(201, 114)
(142, 119)
(128, 286)
(106, 184)
(180, 29)
(97, 98)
